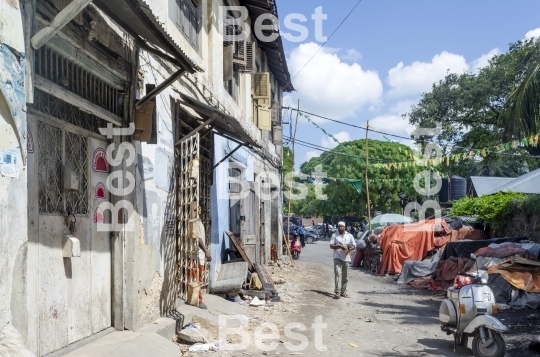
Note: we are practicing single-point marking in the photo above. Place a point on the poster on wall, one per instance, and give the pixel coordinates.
(164, 161)
(10, 162)
(146, 167)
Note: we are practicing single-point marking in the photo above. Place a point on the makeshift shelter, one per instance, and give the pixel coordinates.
(413, 241)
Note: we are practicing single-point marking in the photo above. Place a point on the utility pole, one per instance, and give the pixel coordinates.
(367, 179)
(291, 186)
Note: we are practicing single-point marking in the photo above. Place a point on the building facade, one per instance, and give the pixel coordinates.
(122, 123)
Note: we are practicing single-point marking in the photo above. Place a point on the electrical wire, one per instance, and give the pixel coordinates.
(328, 39)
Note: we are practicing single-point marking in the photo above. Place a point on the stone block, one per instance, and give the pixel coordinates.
(192, 335)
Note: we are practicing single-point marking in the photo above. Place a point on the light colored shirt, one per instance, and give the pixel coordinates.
(199, 232)
(346, 239)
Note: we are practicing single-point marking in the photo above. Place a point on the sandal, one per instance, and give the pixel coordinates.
(345, 295)
(336, 296)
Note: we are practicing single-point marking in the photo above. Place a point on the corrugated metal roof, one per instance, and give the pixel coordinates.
(136, 17)
(274, 50)
(528, 183)
(489, 185)
(223, 122)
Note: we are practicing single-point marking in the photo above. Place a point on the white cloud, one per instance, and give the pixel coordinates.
(352, 55)
(483, 61)
(311, 154)
(403, 106)
(532, 33)
(329, 143)
(330, 87)
(420, 76)
(391, 123)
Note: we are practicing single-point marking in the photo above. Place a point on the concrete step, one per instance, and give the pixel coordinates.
(234, 314)
(128, 344)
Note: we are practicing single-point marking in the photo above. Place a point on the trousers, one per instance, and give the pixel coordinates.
(197, 275)
(341, 275)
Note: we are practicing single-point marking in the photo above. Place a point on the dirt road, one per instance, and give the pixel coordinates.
(380, 319)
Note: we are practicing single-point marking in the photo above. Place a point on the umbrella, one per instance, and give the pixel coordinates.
(383, 219)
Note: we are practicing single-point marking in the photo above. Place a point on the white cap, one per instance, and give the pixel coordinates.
(341, 223)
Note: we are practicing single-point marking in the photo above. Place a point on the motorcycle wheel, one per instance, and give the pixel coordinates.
(492, 348)
(310, 240)
(295, 255)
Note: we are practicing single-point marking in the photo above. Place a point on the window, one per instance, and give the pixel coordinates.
(185, 14)
(233, 86)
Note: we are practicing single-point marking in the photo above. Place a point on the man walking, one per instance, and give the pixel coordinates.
(341, 243)
(302, 236)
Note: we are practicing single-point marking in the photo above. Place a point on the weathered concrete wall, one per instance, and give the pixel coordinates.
(13, 174)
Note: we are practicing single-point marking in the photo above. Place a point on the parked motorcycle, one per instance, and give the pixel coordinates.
(296, 247)
(468, 311)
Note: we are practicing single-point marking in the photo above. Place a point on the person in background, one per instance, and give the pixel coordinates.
(326, 230)
(302, 236)
(196, 270)
(341, 243)
(312, 223)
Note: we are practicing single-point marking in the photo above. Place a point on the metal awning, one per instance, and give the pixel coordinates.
(223, 123)
(136, 18)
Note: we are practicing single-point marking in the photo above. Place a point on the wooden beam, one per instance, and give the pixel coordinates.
(227, 156)
(69, 97)
(59, 21)
(196, 130)
(160, 88)
(145, 46)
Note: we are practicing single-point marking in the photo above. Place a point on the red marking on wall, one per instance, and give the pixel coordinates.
(99, 217)
(100, 190)
(99, 163)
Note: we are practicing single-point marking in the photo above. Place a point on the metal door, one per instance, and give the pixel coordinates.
(249, 222)
(188, 176)
(74, 293)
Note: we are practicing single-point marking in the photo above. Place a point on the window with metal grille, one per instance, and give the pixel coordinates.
(60, 149)
(58, 69)
(59, 109)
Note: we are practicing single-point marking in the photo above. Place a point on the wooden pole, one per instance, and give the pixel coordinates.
(367, 179)
(287, 243)
(291, 183)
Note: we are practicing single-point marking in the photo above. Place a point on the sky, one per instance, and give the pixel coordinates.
(386, 54)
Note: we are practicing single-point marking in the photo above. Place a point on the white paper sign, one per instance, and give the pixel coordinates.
(10, 162)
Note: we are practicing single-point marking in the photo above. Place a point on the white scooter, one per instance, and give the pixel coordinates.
(468, 311)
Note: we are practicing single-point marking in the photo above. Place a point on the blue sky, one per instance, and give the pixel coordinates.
(387, 53)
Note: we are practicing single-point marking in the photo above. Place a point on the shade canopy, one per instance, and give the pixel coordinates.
(391, 218)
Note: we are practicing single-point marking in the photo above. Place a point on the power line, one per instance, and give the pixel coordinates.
(357, 126)
(321, 47)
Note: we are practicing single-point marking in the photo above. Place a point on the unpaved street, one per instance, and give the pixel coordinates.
(381, 318)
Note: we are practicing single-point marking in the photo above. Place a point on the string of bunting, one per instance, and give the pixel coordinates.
(419, 160)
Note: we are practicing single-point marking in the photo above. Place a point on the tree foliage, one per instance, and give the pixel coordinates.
(498, 210)
(473, 112)
(342, 198)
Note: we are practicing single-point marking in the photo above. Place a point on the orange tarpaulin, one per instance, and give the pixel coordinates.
(529, 282)
(408, 242)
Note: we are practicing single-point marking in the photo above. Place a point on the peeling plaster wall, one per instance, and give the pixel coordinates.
(219, 200)
(13, 193)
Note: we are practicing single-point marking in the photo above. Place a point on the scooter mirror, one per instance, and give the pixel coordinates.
(473, 257)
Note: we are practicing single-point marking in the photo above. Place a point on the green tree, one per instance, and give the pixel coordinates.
(347, 162)
(472, 110)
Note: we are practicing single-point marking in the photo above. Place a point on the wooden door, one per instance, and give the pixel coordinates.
(249, 222)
